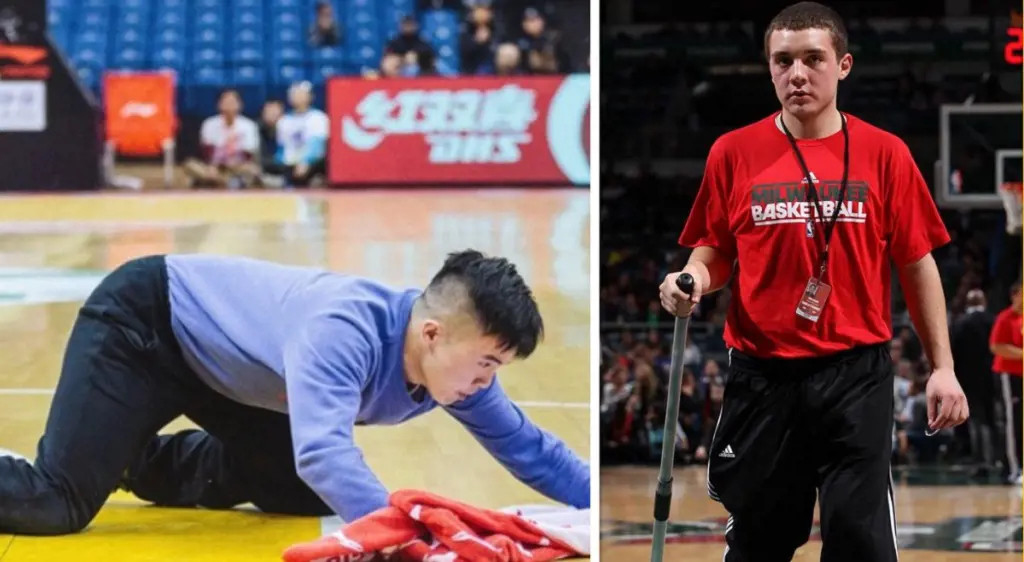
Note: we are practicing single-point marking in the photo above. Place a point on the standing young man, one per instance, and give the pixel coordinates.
(808, 403)
(1005, 342)
(277, 364)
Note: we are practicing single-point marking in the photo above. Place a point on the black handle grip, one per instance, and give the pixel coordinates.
(685, 283)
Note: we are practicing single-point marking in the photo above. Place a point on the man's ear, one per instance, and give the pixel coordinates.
(845, 66)
(431, 331)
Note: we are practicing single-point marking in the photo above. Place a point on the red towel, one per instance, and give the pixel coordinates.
(423, 527)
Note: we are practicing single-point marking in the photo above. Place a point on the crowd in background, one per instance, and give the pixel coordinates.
(285, 144)
(642, 218)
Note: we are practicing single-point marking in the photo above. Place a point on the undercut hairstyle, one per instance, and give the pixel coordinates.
(491, 290)
(810, 15)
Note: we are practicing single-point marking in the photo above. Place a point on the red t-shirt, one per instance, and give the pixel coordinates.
(1008, 328)
(752, 206)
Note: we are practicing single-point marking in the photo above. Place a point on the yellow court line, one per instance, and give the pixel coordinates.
(216, 208)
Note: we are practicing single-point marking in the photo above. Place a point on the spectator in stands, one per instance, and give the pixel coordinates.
(915, 415)
(902, 381)
(690, 412)
(713, 406)
(325, 31)
(302, 138)
(973, 359)
(230, 144)
(542, 48)
(478, 44)
(507, 60)
(269, 116)
(408, 41)
(390, 67)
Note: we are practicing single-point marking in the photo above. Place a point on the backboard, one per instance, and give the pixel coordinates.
(979, 150)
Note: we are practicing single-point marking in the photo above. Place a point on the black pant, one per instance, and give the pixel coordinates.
(790, 428)
(980, 427)
(1010, 393)
(123, 378)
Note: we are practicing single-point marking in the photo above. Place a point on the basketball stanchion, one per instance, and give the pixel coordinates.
(663, 494)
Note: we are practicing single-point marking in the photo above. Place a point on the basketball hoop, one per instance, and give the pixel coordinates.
(1011, 194)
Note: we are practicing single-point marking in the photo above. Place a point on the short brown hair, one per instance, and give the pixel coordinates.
(810, 15)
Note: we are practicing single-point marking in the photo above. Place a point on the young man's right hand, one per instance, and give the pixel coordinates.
(675, 301)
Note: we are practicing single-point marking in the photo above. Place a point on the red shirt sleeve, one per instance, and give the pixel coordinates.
(1002, 330)
(708, 223)
(915, 227)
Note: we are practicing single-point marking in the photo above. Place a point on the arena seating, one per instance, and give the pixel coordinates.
(258, 46)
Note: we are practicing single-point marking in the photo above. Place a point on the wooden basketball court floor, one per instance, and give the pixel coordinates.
(53, 250)
(940, 522)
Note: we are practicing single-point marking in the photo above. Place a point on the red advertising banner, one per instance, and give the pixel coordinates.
(472, 130)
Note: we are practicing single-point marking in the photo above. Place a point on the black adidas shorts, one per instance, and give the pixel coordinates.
(793, 429)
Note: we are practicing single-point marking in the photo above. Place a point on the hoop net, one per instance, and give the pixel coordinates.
(1011, 195)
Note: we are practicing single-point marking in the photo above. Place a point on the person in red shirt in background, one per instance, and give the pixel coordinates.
(1006, 342)
(812, 204)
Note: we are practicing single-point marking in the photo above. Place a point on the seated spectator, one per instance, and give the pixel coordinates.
(271, 113)
(478, 45)
(507, 60)
(230, 144)
(408, 41)
(542, 48)
(302, 139)
(390, 67)
(325, 31)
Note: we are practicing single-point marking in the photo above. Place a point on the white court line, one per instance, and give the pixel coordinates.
(523, 403)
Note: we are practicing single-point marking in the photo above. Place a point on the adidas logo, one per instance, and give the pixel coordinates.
(727, 453)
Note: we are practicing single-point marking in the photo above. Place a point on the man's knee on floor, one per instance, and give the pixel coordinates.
(51, 519)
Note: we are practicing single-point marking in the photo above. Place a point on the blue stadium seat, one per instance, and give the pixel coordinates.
(261, 46)
(367, 56)
(207, 57)
(94, 20)
(129, 59)
(287, 19)
(210, 37)
(441, 29)
(206, 20)
(322, 72)
(328, 56)
(208, 76)
(247, 18)
(133, 18)
(90, 76)
(87, 56)
(204, 86)
(286, 74)
(169, 58)
(251, 83)
(288, 55)
(247, 55)
(247, 36)
(170, 36)
(208, 5)
(131, 38)
(287, 35)
(170, 20)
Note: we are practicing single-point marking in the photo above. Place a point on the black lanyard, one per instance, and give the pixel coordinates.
(812, 192)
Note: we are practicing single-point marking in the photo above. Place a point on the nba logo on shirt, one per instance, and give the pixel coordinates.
(810, 229)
